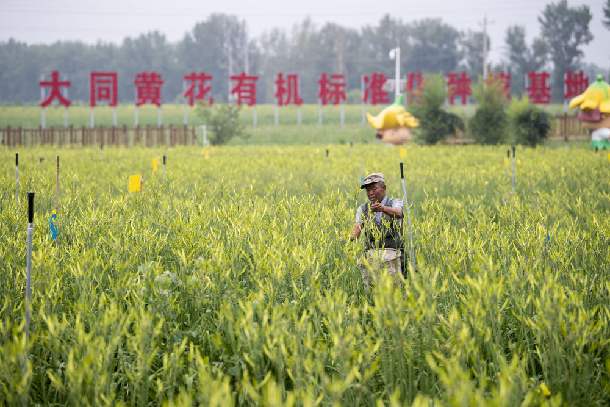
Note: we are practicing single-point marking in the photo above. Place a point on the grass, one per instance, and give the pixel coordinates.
(30, 116)
(233, 283)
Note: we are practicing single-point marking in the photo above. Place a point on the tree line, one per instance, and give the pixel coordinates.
(221, 47)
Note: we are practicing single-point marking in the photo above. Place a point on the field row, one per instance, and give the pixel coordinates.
(233, 282)
(30, 116)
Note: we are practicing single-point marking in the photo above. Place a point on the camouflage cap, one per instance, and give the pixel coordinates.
(372, 179)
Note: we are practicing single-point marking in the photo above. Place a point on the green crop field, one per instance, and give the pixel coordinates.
(30, 116)
(234, 282)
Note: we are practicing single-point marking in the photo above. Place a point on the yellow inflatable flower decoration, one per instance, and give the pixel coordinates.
(596, 96)
(394, 123)
(594, 112)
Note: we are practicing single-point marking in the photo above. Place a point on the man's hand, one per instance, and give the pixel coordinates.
(377, 207)
(392, 212)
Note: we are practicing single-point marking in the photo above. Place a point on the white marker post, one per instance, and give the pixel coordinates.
(65, 110)
(513, 179)
(28, 284)
(184, 86)
(327, 156)
(275, 109)
(507, 159)
(404, 192)
(42, 115)
(57, 198)
(17, 182)
(136, 110)
(319, 112)
(164, 169)
(205, 135)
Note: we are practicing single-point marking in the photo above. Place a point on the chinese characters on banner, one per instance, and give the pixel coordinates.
(196, 87)
(55, 93)
(460, 86)
(196, 82)
(245, 88)
(574, 83)
(373, 89)
(331, 90)
(148, 90)
(503, 79)
(539, 91)
(287, 90)
(103, 88)
(414, 86)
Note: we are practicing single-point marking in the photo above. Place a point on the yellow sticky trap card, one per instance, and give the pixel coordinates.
(403, 153)
(207, 154)
(155, 163)
(135, 183)
(505, 161)
(608, 156)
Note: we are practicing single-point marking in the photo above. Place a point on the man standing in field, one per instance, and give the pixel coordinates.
(380, 219)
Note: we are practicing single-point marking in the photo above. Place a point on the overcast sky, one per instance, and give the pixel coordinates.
(47, 21)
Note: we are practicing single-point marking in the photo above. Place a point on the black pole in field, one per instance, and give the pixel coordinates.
(513, 180)
(507, 159)
(404, 192)
(28, 283)
(164, 169)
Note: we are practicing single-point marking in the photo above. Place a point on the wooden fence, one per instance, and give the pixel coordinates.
(109, 136)
(564, 127)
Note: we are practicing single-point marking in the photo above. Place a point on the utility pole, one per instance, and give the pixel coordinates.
(246, 62)
(229, 52)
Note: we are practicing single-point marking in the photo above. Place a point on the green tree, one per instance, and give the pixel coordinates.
(606, 20)
(471, 44)
(435, 123)
(489, 124)
(523, 59)
(433, 46)
(377, 41)
(566, 30)
(529, 125)
(218, 46)
(223, 122)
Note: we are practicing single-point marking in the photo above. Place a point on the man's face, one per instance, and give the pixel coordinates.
(375, 192)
